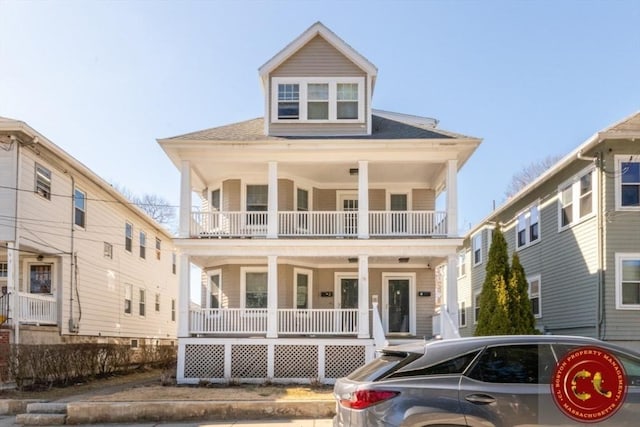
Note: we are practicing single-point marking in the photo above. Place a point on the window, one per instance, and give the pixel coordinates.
(477, 248)
(128, 236)
(173, 310)
(462, 314)
(528, 227)
(254, 284)
(4, 270)
(80, 209)
(128, 292)
(214, 291)
(43, 181)
(158, 248)
(257, 201)
(157, 303)
(462, 264)
(515, 364)
(628, 281)
(576, 199)
(40, 279)
(142, 302)
(456, 365)
(143, 245)
(134, 343)
(302, 295)
(108, 250)
(534, 295)
(331, 99)
(174, 262)
(215, 200)
(302, 205)
(476, 307)
(627, 182)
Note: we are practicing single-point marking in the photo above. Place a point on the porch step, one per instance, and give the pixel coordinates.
(41, 419)
(47, 408)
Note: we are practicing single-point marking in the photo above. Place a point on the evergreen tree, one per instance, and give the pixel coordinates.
(494, 311)
(520, 313)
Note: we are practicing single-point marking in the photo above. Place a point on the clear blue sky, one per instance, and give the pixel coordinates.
(104, 79)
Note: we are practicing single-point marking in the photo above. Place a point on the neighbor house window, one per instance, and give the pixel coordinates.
(627, 182)
(333, 99)
(158, 248)
(576, 199)
(142, 302)
(128, 292)
(628, 281)
(143, 244)
(534, 295)
(462, 264)
(476, 307)
(302, 295)
(254, 285)
(157, 303)
(528, 227)
(80, 207)
(463, 314)
(40, 279)
(43, 181)
(128, 237)
(476, 243)
(107, 250)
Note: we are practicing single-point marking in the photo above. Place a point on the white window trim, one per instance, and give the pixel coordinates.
(210, 274)
(27, 274)
(142, 244)
(337, 277)
(141, 292)
(527, 213)
(309, 198)
(125, 237)
(473, 249)
(303, 82)
(533, 279)
(129, 287)
(243, 282)
(619, 258)
(618, 159)
(574, 182)
(309, 274)
(398, 193)
(47, 179)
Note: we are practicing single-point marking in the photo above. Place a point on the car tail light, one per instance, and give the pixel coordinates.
(362, 399)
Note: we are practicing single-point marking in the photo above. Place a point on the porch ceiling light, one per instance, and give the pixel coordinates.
(352, 260)
(403, 260)
(353, 171)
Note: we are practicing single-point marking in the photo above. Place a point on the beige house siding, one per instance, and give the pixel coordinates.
(7, 194)
(377, 200)
(423, 199)
(231, 195)
(285, 195)
(324, 200)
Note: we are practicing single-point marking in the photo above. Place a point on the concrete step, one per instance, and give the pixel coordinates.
(15, 406)
(47, 408)
(41, 419)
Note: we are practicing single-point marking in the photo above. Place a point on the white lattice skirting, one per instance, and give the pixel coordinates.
(259, 360)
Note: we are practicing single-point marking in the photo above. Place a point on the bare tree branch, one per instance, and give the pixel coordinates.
(529, 173)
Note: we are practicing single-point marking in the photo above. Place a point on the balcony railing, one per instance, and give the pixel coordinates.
(319, 224)
(290, 321)
(38, 309)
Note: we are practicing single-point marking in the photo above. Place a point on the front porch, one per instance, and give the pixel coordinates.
(28, 308)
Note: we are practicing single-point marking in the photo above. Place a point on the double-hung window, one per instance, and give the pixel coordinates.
(302, 291)
(80, 208)
(462, 264)
(476, 242)
(576, 199)
(534, 295)
(142, 303)
(628, 281)
(43, 181)
(128, 236)
(257, 201)
(627, 182)
(128, 295)
(143, 245)
(40, 279)
(462, 322)
(254, 287)
(528, 227)
(322, 99)
(158, 248)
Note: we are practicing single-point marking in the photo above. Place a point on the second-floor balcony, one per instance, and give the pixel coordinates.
(319, 224)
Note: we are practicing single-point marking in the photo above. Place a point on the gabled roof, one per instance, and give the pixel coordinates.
(317, 29)
(385, 125)
(630, 124)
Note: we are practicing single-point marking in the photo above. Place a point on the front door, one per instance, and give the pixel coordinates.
(398, 303)
(349, 205)
(347, 299)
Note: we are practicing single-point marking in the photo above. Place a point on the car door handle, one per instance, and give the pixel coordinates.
(480, 399)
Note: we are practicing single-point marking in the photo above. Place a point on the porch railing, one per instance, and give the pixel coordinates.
(319, 224)
(38, 309)
(290, 321)
(4, 308)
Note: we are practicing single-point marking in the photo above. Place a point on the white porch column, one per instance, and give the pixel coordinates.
(272, 296)
(185, 199)
(452, 295)
(363, 296)
(13, 267)
(452, 198)
(184, 286)
(363, 199)
(272, 202)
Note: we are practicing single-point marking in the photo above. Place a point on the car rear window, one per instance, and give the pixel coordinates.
(457, 365)
(377, 367)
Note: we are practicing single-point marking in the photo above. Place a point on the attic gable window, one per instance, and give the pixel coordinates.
(330, 99)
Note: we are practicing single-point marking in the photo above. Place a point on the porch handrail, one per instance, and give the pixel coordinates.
(229, 224)
(4, 307)
(379, 339)
(38, 309)
(408, 223)
(341, 321)
(228, 321)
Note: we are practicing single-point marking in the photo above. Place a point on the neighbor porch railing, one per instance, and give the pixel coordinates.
(319, 224)
(4, 308)
(38, 309)
(290, 321)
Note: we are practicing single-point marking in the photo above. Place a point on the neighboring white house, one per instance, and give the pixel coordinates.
(78, 262)
(318, 236)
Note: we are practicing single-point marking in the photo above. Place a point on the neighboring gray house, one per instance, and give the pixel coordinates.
(577, 231)
(318, 235)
